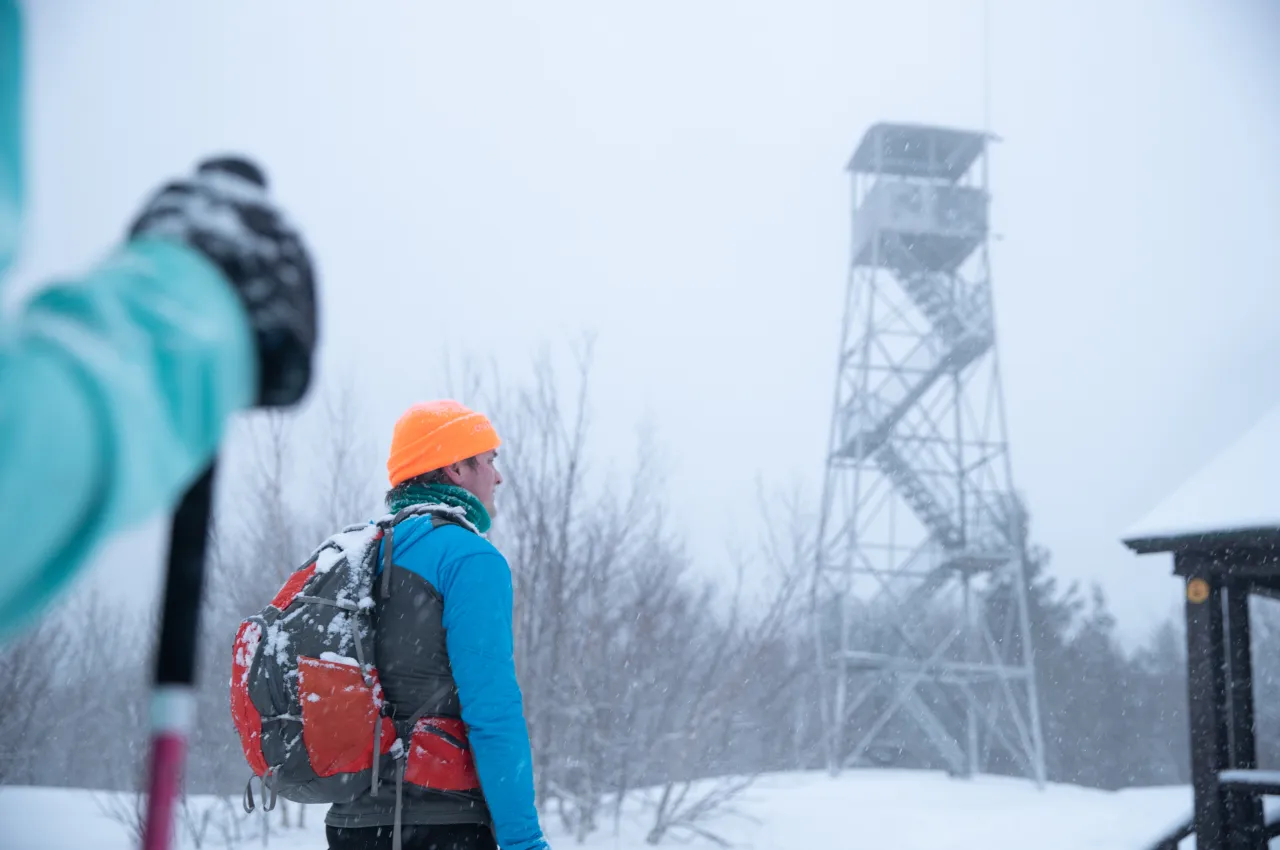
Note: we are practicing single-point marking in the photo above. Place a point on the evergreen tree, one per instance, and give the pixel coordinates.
(1089, 704)
(1158, 698)
(1051, 612)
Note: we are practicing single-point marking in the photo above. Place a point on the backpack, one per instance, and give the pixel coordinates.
(306, 700)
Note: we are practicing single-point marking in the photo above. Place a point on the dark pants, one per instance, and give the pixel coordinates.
(453, 836)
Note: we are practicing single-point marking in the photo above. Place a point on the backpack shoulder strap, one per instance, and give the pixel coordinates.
(388, 552)
(438, 520)
(388, 528)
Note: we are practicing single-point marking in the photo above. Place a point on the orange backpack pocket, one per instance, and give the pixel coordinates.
(339, 712)
(440, 756)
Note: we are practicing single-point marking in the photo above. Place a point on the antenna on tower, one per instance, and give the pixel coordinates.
(986, 66)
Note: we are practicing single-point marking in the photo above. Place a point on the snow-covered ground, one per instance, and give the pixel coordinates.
(901, 810)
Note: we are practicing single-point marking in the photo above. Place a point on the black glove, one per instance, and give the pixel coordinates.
(224, 213)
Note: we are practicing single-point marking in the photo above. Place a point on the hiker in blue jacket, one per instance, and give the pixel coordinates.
(445, 654)
(116, 385)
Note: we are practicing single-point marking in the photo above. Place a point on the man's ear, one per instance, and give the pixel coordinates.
(454, 473)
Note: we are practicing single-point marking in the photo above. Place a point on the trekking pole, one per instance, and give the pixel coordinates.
(173, 701)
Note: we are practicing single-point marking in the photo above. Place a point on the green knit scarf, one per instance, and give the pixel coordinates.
(443, 494)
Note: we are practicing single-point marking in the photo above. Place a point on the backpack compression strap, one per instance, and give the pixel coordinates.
(403, 760)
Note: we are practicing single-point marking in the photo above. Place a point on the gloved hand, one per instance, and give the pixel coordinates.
(224, 212)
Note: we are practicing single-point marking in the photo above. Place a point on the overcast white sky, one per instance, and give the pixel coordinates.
(668, 175)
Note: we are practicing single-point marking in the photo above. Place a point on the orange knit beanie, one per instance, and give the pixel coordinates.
(435, 434)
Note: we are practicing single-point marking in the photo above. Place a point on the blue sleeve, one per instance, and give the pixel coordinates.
(477, 622)
(115, 388)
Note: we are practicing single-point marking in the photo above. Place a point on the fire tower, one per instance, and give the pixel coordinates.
(920, 609)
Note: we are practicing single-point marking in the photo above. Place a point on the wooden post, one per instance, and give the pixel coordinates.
(1244, 808)
(1206, 703)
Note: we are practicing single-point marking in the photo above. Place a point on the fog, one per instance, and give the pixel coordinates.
(481, 184)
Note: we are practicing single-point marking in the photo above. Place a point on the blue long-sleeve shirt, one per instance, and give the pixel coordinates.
(474, 580)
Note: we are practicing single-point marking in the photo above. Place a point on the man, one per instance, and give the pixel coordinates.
(447, 619)
(116, 385)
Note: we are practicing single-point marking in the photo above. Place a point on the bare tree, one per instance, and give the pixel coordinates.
(29, 667)
(103, 685)
(739, 684)
(126, 808)
(632, 681)
(345, 460)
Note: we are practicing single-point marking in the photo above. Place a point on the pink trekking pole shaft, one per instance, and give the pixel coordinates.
(173, 688)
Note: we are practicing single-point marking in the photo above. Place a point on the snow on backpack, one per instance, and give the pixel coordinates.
(306, 699)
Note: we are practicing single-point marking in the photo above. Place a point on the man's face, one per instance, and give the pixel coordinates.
(480, 479)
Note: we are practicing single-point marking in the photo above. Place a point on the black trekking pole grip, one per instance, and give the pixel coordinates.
(184, 584)
(173, 692)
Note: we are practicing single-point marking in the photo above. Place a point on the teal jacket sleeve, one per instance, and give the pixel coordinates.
(114, 392)
(477, 619)
(114, 388)
(11, 183)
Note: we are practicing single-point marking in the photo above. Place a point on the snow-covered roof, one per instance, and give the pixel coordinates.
(1238, 492)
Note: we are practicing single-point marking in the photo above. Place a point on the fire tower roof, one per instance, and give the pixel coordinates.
(918, 150)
